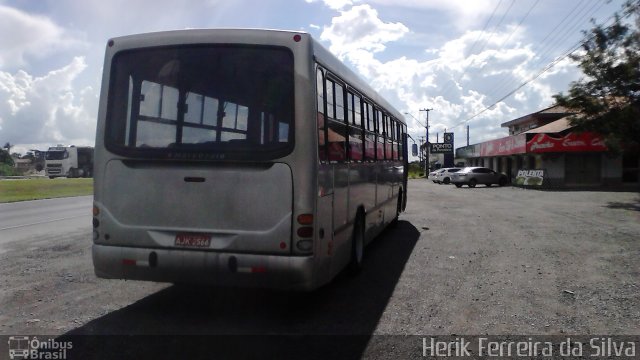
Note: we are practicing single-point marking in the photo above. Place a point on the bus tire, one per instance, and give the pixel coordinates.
(394, 222)
(357, 245)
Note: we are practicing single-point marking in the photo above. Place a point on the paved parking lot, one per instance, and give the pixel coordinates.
(488, 260)
(506, 260)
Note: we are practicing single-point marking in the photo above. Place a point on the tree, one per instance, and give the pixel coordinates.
(5, 158)
(607, 99)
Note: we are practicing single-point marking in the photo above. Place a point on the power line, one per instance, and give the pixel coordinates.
(446, 89)
(520, 23)
(549, 47)
(511, 34)
(542, 71)
(480, 35)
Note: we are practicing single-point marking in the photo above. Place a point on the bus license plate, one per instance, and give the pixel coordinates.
(193, 240)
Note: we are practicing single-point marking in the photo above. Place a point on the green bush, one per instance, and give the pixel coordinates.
(8, 170)
(415, 171)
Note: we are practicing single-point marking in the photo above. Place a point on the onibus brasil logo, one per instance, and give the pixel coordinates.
(23, 347)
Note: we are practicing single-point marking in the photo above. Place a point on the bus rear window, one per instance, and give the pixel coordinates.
(232, 101)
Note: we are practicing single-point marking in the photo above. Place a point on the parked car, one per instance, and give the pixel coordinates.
(444, 176)
(433, 176)
(478, 175)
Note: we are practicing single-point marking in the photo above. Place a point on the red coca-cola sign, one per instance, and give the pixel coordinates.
(572, 142)
(505, 146)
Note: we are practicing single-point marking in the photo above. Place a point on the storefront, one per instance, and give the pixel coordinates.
(567, 158)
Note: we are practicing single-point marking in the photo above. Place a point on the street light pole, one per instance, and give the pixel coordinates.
(426, 130)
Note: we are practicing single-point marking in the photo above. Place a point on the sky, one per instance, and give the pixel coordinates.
(459, 58)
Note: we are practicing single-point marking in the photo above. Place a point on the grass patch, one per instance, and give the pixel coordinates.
(415, 171)
(34, 189)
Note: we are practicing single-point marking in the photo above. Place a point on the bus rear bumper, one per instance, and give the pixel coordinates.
(216, 268)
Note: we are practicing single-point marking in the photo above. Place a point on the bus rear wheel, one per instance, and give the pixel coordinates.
(394, 222)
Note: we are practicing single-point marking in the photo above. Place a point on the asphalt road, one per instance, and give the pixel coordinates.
(462, 261)
(30, 220)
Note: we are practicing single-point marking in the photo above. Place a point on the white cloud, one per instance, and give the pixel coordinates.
(333, 4)
(463, 14)
(360, 28)
(459, 81)
(27, 35)
(47, 109)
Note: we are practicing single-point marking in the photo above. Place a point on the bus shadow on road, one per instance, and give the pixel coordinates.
(336, 321)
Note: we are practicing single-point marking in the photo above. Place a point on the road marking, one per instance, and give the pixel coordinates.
(44, 222)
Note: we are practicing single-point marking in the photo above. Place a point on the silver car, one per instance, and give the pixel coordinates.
(478, 175)
(444, 176)
(433, 176)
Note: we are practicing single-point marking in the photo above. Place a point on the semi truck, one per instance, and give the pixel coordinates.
(70, 161)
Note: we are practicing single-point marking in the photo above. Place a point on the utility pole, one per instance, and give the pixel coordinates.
(420, 153)
(426, 130)
(467, 135)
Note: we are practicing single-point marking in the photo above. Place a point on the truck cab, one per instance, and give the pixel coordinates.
(69, 161)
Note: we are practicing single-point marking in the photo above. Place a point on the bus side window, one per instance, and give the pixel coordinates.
(340, 105)
(401, 135)
(322, 152)
(330, 101)
(336, 128)
(355, 128)
(337, 136)
(380, 136)
(370, 137)
(388, 139)
(392, 139)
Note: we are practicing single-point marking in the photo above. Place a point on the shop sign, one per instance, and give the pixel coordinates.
(530, 177)
(441, 148)
(445, 147)
(572, 142)
(470, 151)
(506, 146)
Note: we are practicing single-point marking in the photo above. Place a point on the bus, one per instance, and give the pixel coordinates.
(237, 157)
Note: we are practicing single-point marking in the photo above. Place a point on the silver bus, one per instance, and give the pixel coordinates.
(242, 158)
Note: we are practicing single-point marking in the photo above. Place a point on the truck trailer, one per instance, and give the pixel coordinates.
(70, 161)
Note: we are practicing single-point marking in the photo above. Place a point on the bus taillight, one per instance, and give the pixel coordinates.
(305, 219)
(305, 232)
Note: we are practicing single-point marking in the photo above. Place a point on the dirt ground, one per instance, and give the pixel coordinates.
(462, 261)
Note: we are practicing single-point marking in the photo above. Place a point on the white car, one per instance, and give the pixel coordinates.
(433, 176)
(472, 176)
(444, 175)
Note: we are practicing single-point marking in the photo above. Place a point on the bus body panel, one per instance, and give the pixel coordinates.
(244, 207)
(215, 268)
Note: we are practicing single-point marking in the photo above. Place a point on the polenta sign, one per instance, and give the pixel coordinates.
(530, 177)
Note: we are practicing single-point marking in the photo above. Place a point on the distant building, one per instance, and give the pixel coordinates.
(23, 165)
(545, 140)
